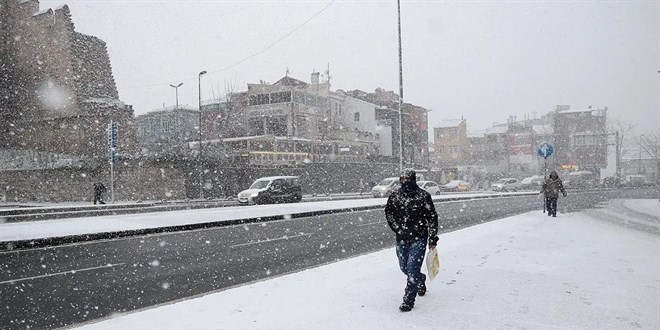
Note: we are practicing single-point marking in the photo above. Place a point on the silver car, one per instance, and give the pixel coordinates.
(506, 184)
(386, 187)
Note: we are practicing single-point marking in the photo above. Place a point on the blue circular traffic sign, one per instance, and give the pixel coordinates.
(545, 150)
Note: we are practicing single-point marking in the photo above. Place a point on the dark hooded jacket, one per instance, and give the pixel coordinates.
(99, 188)
(552, 186)
(411, 214)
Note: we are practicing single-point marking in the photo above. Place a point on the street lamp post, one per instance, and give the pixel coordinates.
(176, 89)
(398, 5)
(201, 168)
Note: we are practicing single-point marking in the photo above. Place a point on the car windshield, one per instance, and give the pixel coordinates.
(502, 181)
(261, 184)
(527, 180)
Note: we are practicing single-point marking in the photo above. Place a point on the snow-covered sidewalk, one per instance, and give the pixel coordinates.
(527, 271)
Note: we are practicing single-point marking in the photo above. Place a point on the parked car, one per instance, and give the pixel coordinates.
(532, 183)
(430, 186)
(580, 179)
(386, 187)
(274, 189)
(506, 184)
(456, 185)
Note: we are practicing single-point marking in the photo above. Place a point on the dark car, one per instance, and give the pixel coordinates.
(274, 189)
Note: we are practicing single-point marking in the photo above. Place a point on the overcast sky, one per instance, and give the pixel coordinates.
(479, 59)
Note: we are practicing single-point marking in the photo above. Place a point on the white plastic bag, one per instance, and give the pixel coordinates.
(432, 263)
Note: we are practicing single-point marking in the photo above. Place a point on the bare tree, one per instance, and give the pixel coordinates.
(650, 143)
(622, 130)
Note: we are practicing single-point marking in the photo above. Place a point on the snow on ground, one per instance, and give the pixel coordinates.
(647, 206)
(526, 271)
(100, 224)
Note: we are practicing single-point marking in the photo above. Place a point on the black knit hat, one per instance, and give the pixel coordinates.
(409, 173)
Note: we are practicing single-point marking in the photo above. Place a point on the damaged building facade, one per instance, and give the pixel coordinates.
(57, 97)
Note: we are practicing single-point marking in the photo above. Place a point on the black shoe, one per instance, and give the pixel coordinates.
(421, 290)
(406, 307)
(554, 215)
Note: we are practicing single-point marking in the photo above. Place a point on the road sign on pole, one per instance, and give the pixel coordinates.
(545, 150)
(113, 144)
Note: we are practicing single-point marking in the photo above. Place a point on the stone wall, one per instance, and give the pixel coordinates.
(132, 183)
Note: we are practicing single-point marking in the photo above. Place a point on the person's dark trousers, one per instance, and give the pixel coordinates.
(551, 206)
(411, 257)
(97, 197)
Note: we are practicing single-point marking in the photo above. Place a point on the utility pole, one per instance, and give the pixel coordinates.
(398, 5)
(201, 168)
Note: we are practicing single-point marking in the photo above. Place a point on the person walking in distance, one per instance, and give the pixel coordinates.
(412, 217)
(551, 188)
(99, 189)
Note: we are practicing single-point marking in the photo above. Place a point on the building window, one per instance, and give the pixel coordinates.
(357, 116)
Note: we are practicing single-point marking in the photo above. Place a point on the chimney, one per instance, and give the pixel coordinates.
(315, 78)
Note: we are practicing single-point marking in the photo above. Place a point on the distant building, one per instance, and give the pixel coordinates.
(270, 123)
(581, 138)
(451, 143)
(414, 125)
(166, 130)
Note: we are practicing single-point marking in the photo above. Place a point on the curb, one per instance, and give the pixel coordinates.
(63, 240)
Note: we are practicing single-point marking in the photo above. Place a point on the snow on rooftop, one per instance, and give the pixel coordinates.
(542, 129)
(499, 129)
(446, 123)
(43, 11)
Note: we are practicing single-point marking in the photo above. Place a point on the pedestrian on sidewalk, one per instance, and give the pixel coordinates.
(99, 189)
(412, 217)
(551, 188)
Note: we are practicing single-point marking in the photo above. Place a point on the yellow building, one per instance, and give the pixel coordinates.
(451, 143)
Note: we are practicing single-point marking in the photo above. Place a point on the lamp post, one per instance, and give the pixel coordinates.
(398, 5)
(176, 88)
(201, 168)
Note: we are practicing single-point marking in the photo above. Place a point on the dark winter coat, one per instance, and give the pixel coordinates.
(411, 215)
(99, 188)
(552, 186)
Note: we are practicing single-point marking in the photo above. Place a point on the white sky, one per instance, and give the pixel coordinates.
(523, 272)
(478, 59)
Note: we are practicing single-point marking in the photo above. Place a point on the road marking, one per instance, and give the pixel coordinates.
(62, 273)
(270, 240)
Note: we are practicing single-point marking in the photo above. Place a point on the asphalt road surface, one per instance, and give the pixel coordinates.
(66, 285)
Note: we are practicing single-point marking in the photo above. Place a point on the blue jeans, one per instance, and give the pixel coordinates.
(411, 257)
(551, 205)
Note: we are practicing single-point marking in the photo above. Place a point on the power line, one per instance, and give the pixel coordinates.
(250, 56)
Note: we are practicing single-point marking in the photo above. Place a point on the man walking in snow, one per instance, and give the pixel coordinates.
(551, 188)
(99, 189)
(411, 216)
